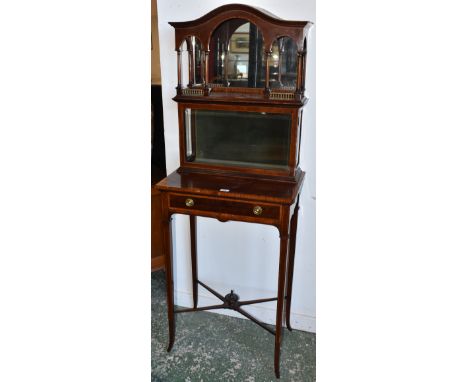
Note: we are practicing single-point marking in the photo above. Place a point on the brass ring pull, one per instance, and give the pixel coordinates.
(189, 202)
(257, 210)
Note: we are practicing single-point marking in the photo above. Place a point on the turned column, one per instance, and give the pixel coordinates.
(267, 90)
(179, 72)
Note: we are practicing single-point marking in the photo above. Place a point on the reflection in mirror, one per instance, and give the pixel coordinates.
(237, 58)
(283, 64)
(197, 61)
(192, 59)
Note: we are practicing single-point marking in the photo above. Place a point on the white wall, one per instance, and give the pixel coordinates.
(234, 255)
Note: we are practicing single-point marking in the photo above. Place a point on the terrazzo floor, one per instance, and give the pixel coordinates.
(212, 347)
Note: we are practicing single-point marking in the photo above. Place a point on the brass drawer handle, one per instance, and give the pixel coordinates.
(189, 202)
(257, 210)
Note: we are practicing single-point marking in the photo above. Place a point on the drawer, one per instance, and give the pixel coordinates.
(224, 206)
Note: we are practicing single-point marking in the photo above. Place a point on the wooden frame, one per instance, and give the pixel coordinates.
(270, 26)
(291, 174)
(226, 192)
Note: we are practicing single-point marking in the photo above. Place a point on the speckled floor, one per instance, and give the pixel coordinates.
(212, 347)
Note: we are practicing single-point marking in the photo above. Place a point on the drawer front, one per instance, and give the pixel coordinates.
(223, 206)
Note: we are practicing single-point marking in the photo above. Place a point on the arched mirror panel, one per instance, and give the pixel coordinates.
(191, 62)
(283, 64)
(237, 55)
(197, 61)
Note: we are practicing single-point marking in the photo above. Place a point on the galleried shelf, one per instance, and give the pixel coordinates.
(240, 95)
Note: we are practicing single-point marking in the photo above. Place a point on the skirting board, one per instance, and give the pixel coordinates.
(265, 314)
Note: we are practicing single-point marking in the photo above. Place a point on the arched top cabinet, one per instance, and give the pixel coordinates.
(240, 93)
(241, 49)
(240, 98)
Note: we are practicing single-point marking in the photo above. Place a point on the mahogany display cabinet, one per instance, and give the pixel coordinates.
(240, 95)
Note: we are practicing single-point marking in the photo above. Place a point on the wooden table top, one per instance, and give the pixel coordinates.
(244, 188)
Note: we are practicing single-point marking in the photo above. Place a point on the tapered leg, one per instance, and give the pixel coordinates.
(193, 244)
(292, 252)
(282, 276)
(167, 251)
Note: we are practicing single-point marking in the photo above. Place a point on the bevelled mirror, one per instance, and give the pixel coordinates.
(197, 61)
(283, 64)
(191, 61)
(238, 55)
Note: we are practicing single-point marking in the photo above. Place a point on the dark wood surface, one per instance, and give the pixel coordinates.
(208, 96)
(240, 188)
(200, 195)
(291, 171)
(270, 25)
(248, 194)
(221, 205)
(236, 96)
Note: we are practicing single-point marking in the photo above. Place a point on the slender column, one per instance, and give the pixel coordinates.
(292, 252)
(193, 242)
(304, 61)
(282, 276)
(191, 60)
(167, 252)
(300, 73)
(267, 73)
(205, 79)
(194, 60)
(179, 71)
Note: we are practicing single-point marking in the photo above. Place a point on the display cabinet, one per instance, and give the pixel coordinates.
(240, 95)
